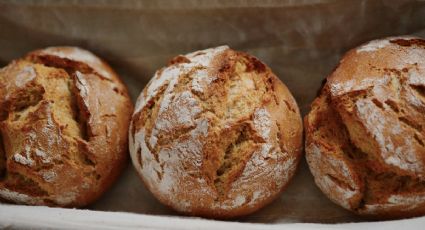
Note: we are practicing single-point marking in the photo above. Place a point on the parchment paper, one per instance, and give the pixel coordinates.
(301, 41)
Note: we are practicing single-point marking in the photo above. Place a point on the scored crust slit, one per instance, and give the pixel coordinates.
(64, 118)
(365, 131)
(215, 134)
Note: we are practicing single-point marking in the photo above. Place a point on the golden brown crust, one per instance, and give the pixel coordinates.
(216, 134)
(64, 121)
(365, 132)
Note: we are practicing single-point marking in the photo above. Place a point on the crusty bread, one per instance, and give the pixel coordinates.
(216, 134)
(64, 122)
(365, 132)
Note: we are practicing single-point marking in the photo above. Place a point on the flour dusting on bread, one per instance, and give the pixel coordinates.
(366, 129)
(57, 105)
(204, 140)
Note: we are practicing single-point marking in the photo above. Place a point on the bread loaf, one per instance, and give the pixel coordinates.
(216, 134)
(365, 132)
(64, 122)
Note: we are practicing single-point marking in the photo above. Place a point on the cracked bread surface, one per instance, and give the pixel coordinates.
(216, 134)
(64, 122)
(365, 131)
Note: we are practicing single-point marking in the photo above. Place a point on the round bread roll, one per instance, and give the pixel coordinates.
(216, 134)
(365, 132)
(64, 123)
